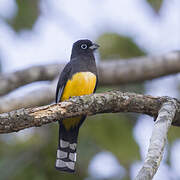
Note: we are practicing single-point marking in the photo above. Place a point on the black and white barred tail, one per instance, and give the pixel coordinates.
(66, 152)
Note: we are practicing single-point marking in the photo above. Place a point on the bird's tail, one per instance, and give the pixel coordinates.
(66, 152)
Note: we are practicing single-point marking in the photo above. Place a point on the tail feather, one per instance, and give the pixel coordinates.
(66, 152)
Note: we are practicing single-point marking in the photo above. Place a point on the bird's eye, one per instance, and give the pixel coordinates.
(83, 46)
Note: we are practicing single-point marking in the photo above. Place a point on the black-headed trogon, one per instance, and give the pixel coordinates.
(79, 77)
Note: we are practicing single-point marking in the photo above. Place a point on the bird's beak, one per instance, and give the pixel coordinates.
(94, 46)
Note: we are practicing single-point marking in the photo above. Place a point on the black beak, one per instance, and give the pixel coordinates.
(94, 46)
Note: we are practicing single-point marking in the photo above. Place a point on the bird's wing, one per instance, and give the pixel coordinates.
(96, 84)
(62, 81)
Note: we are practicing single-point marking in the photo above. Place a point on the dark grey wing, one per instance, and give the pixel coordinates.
(96, 84)
(65, 74)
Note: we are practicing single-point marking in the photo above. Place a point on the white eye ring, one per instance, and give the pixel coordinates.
(83, 46)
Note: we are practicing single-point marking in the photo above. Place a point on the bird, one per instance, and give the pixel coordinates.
(79, 77)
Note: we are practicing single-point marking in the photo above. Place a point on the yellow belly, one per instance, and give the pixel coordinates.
(82, 83)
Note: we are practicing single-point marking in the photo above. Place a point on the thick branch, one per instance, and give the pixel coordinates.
(109, 102)
(111, 72)
(158, 141)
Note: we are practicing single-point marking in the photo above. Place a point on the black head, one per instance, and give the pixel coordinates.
(83, 47)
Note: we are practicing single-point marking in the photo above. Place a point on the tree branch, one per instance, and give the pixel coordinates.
(110, 102)
(111, 72)
(139, 69)
(158, 141)
(20, 78)
(41, 96)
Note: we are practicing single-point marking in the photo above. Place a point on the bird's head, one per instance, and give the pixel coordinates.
(84, 46)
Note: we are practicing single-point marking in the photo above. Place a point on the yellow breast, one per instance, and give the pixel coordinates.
(82, 83)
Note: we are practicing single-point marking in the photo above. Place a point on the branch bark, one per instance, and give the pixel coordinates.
(110, 102)
(110, 73)
(158, 141)
(139, 69)
(20, 78)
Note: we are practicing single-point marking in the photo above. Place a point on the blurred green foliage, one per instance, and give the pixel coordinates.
(115, 46)
(27, 14)
(173, 133)
(155, 4)
(34, 158)
(113, 132)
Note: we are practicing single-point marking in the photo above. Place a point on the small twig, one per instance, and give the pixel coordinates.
(158, 141)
